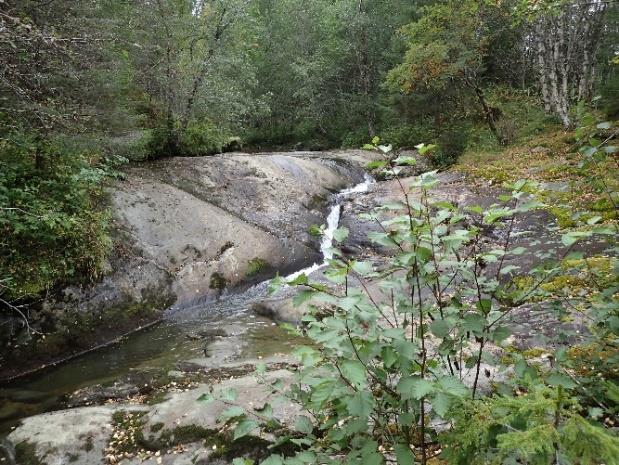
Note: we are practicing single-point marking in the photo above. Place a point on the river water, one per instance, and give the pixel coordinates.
(162, 347)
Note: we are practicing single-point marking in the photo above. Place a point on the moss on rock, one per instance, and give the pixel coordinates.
(26, 454)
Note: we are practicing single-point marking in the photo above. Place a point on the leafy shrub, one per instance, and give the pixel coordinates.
(409, 136)
(355, 138)
(387, 366)
(198, 139)
(203, 138)
(53, 229)
(133, 146)
(162, 143)
(451, 143)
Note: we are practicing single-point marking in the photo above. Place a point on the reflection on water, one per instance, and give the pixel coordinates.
(155, 350)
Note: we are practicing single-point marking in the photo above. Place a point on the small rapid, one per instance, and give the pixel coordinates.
(238, 303)
(333, 222)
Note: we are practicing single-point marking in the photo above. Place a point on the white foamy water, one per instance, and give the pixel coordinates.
(333, 221)
(239, 303)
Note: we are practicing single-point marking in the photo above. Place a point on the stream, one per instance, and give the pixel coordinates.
(163, 346)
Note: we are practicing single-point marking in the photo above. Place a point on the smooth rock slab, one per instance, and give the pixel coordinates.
(191, 454)
(182, 409)
(69, 436)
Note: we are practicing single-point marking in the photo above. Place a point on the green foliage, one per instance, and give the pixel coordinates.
(385, 365)
(444, 43)
(256, 266)
(54, 231)
(198, 139)
(451, 144)
(203, 138)
(134, 146)
(536, 427)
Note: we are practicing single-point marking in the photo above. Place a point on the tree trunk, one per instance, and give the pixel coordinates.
(542, 71)
(198, 79)
(365, 72)
(489, 115)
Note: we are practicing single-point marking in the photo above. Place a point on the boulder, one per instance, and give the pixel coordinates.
(280, 310)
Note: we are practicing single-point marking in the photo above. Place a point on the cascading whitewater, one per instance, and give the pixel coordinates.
(333, 221)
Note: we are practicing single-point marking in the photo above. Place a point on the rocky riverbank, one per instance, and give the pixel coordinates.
(158, 419)
(185, 231)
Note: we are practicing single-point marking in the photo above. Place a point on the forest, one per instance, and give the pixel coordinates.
(518, 97)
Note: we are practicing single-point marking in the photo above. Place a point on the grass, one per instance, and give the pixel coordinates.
(552, 160)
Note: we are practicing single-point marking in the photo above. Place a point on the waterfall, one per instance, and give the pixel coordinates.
(333, 221)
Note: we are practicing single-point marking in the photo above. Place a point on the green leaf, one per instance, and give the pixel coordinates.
(423, 254)
(372, 458)
(389, 357)
(485, 305)
(244, 428)
(340, 234)
(302, 297)
(441, 403)
(206, 398)
(231, 412)
(453, 386)
(423, 149)
(381, 238)
(298, 281)
(588, 151)
(273, 460)
(500, 333)
(441, 328)
(593, 220)
(404, 454)
(559, 379)
(275, 284)
(360, 404)
(572, 237)
(402, 160)
(474, 322)
(363, 268)
(405, 348)
(242, 461)
(508, 269)
(414, 387)
(354, 371)
(303, 424)
(316, 230)
(376, 163)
